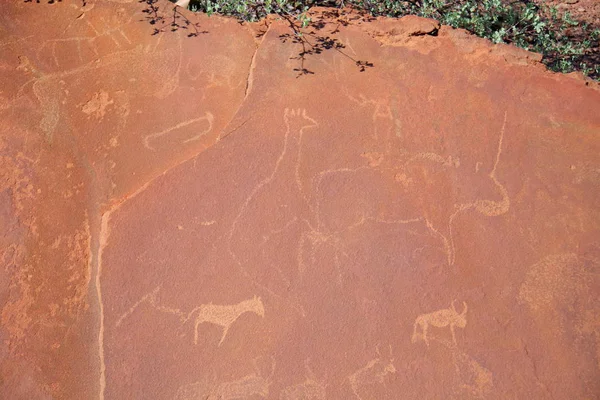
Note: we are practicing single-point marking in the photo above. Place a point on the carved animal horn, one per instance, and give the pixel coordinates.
(464, 309)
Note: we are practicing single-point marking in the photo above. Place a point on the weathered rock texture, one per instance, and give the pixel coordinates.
(383, 210)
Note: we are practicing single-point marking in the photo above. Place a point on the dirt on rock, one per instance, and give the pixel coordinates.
(194, 208)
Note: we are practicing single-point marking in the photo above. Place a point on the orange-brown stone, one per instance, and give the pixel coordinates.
(383, 209)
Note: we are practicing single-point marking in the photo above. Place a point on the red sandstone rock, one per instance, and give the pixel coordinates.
(187, 217)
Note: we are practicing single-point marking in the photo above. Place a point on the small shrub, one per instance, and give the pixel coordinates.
(566, 44)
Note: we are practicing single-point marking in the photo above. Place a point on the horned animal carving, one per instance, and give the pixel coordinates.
(374, 372)
(440, 319)
(225, 315)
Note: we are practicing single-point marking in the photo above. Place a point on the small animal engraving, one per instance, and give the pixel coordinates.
(224, 315)
(440, 319)
(310, 389)
(374, 372)
(250, 386)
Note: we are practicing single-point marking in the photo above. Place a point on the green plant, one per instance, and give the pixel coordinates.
(566, 44)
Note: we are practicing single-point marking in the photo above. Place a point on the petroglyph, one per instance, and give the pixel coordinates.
(246, 387)
(46, 93)
(96, 106)
(208, 117)
(476, 380)
(440, 319)
(221, 315)
(449, 161)
(289, 117)
(310, 389)
(375, 159)
(493, 208)
(555, 279)
(373, 373)
(151, 299)
(486, 207)
(224, 315)
(296, 120)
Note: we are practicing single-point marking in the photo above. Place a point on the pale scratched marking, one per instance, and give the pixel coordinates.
(136, 305)
(332, 239)
(447, 247)
(313, 124)
(87, 21)
(479, 379)
(224, 315)
(247, 387)
(267, 180)
(15, 41)
(207, 117)
(433, 157)
(398, 221)
(317, 186)
(374, 371)
(266, 238)
(490, 208)
(221, 315)
(150, 298)
(171, 85)
(310, 389)
(494, 208)
(348, 45)
(549, 280)
(124, 36)
(250, 385)
(49, 101)
(79, 51)
(50, 108)
(54, 54)
(97, 105)
(440, 319)
(452, 248)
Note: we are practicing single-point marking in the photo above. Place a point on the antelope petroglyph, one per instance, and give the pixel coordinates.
(251, 386)
(374, 372)
(440, 319)
(224, 315)
(310, 389)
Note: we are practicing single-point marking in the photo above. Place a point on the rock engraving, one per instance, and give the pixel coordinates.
(249, 386)
(440, 319)
(310, 389)
(224, 315)
(374, 372)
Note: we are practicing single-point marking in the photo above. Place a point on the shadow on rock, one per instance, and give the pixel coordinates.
(314, 43)
(170, 20)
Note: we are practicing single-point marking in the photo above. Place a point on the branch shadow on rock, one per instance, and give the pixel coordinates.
(169, 20)
(313, 42)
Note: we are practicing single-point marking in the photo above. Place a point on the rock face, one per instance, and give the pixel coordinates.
(193, 208)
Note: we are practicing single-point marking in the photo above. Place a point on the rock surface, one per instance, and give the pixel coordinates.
(193, 208)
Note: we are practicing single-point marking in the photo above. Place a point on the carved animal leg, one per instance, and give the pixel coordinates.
(224, 334)
(354, 387)
(425, 334)
(198, 322)
(453, 335)
(414, 335)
